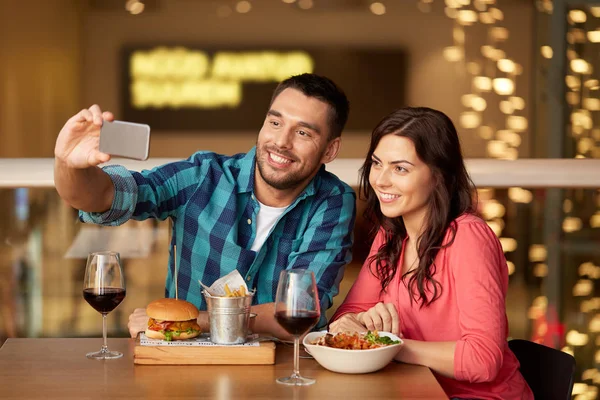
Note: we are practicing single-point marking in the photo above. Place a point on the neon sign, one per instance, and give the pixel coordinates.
(178, 77)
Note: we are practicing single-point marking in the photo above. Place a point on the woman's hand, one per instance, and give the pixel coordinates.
(347, 323)
(381, 317)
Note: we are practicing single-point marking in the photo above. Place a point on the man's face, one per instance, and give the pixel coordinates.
(293, 141)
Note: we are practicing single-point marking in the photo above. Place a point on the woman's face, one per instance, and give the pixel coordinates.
(401, 181)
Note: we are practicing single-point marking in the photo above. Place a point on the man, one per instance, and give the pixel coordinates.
(273, 208)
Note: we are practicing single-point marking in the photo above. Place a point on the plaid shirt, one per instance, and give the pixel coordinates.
(210, 199)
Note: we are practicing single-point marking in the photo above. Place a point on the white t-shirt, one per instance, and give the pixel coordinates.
(265, 220)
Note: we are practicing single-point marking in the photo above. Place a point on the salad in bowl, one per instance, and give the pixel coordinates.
(353, 352)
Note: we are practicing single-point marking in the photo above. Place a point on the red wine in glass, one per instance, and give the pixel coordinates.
(104, 289)
(298, 322)
(297, 309)
(104, 300)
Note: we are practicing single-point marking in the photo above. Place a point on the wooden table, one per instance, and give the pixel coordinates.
(58, 369)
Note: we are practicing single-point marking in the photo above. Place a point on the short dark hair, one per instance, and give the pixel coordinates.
(324, 89)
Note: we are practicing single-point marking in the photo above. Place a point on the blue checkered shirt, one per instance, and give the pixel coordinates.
(209, 198)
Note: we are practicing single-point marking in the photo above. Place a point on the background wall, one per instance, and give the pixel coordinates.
(60, 56)
(40, 67)
(431, 80)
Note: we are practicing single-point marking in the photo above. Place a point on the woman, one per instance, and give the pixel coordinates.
(436, 273)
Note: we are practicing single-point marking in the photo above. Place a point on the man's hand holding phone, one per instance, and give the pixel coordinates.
(91, 137)
(77, 145)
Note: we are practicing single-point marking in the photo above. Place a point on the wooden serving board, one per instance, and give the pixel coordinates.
(263, 354)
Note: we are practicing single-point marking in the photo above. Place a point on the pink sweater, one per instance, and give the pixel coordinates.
(471, 311)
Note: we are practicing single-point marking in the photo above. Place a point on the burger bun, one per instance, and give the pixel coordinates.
(172, 310)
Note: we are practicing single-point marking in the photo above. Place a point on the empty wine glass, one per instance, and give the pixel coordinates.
(297, 310)
(104, 289)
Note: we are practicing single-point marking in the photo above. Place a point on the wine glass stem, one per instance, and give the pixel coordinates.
(104, 348)
(296, 356)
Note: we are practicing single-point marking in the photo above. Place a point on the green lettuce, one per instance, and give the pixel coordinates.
(374, 338)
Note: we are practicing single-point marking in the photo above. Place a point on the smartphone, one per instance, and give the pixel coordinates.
(125, 139)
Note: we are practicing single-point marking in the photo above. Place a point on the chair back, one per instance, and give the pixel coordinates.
(548, 372)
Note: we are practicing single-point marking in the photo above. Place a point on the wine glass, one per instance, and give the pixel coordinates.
(297, 310)
(104, 289)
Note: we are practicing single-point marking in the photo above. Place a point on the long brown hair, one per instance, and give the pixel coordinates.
(437, 145)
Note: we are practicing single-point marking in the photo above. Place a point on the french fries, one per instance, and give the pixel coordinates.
(241, 292)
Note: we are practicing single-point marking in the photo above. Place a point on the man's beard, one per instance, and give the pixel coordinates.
(289, 180)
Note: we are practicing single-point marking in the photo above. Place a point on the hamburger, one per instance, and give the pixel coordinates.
(172, 319)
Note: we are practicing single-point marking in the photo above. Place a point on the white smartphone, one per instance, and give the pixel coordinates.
(125, 139)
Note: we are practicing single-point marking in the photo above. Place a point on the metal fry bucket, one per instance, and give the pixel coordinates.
(229, 318)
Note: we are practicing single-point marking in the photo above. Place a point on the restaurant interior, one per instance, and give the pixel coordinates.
(517, 77)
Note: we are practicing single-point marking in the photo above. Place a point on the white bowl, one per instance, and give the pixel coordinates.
(352, 361)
